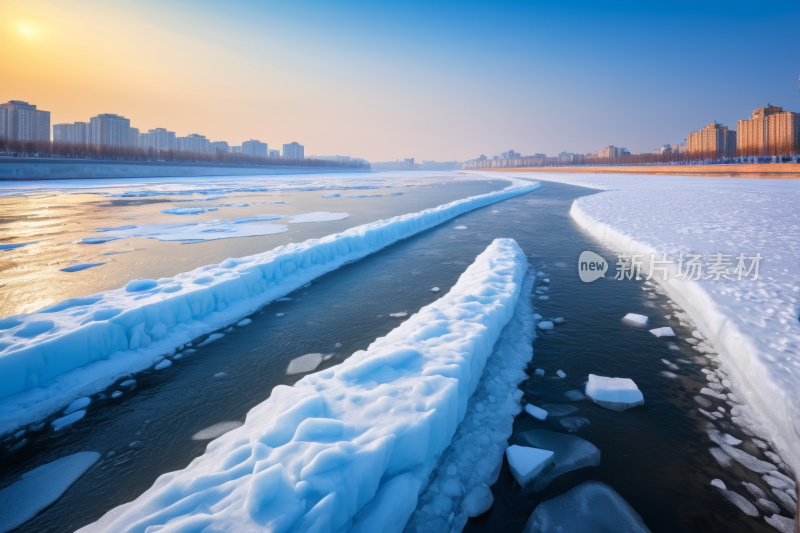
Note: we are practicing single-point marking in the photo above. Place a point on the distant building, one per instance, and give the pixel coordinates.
(193, 143)
(236, 149)
(109, 129)
(408, 164)
(75, 133)
(22, 121)
(664, 149)
(712, 142)
(273, 153)
(134, 137)
(611, 151)
(769, 131)
(158, 139)
(293, 150)
(256, 148)
(220, 146)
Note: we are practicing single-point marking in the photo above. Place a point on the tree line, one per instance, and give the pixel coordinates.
(67, 150)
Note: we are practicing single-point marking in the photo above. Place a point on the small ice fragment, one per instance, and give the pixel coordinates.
(670, 365)
(220, 375)
(283, 300)
(217, 430)
(211, 338)
(574, 395)
(179, 356)
(190, 351)
(460, 227)
(559, 409)
(545, 325)
(399, 315)
(526, 463)
(337, 345)
(280, 314)
(696, 334)
(244, 322)
(663, 332)
(163, 364)
(435, 289)
(723, 458)
(537, 316)
(730, 440)
(617, 394)
(80, 403)
(719, 484)
(559, 320)
(228, 330)
(116, 394)
(546, 280)
(65, 421)
(561, 373)
(669, 375)
(536, 412)
(636, 320)
(135, 444)
(776, 483)
(478, 501)
(709, 392)
(539, 372)
(544, 297)
(304, 363)
(781, 523)
(128, 383)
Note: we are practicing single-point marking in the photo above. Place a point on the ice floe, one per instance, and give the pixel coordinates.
(244, 322)
(526, 462)
(663, 332)
(569, 453)
(304, 363)
(41, 487)
(591, 506)
(561, 374)
(353, 444)
(545, 325)
(80, 403)
(574, 395)
(65, 421)
(636, 320)
(536, 412)
(617, 394)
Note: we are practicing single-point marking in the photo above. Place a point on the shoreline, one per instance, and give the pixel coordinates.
(756, 171)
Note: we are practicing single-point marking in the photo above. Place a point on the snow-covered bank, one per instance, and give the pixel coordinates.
(82, 345)
(348, 448)
(754, 324)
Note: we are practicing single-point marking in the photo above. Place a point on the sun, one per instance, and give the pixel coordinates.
(27, 30)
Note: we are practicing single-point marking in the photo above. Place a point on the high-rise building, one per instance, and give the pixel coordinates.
(220, 146)
(712, 142)
(274, 153)
(194, 143)
(256, 148)
(769, 131)
(75, 133)
(611, 151)
(293, 150)
(109, 129)
(22, 121)
(236, 149)
(133, 138)
(157, 139)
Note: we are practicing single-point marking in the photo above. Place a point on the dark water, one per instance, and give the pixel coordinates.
(655, 456)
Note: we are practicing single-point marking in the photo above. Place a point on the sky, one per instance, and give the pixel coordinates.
(431, 80)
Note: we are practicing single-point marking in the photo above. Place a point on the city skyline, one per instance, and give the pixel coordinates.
(386, 83)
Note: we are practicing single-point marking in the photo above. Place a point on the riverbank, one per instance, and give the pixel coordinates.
(14, 168)
(763, 171)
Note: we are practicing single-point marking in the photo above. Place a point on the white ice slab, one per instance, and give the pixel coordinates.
(536, 412)
(663, 332)
(636, 320)
(347, 445)
(545, 324)
(526, 463)
(617, 394)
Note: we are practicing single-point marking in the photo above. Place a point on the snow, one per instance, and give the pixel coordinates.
(536, 412)
(80, 403)
(569, 453)
(545, 324)
(41, 487)
(617, 394)
(636, 320)
(753, 324)
(244, 322)
(591, 506)
(163, 364)
(526, 463)
(217, 430)
(663, 332)
(350, 446)
(322, 216)
(305, 363)
(83, 266)
(64, 421)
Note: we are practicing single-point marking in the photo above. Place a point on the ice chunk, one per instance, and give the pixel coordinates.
(545, 325)
(736, 499)
(478, 501)
(559, 320)
(304, 363)
(574, 423)
(590, 507)
(80, 403)
(781, 523)
(561, 374)
(163, 364)
(435, 289)
(399, 315)
(526, 463)
(636, 320)
(217, 430)
(280, 314)
(785, 502)
(777, 483)
(116, 394)
(128, 383)
(41, 487)
(767, 506)
(539, 373)
(211, 338)
(569, 452)
(460, 227)
(188, 210)
(64, 421)
(713, 394)
(537, 316)
(83, 266)
(220, 375)
(670, 364)
(536, 412)
(574, 395)
(544, 297)
(747, 460)
(617, 394)
(719, 484)
(561, 409)
(244, 322)
(663, 332)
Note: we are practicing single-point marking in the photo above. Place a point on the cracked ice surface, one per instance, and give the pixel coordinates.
(753, 323)
(82, 345)
(347, 447)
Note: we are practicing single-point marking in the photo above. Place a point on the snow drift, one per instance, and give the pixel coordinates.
(82, 345)
(348, 448)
